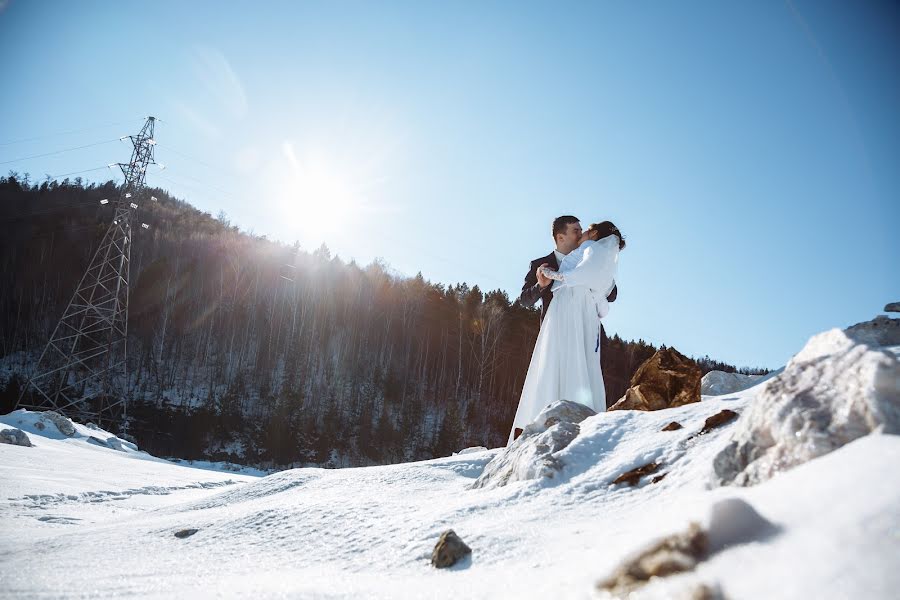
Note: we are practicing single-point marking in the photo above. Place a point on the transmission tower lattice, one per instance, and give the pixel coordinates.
(87, 350)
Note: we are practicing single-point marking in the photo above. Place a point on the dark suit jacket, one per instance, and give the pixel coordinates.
(531, 291)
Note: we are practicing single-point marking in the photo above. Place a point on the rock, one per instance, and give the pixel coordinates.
(63, 424)
(185, 533)
(879, 332)
(676, 553)
(717, 420)
(16, 437)
(448, 550)
(666, 379)
(633, 476)
(892, 307)
(658, 478)
(841, 386)
(532, 454)
(673, 426)
(716, 383)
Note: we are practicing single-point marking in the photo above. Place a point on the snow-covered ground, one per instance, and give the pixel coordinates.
(84, 517)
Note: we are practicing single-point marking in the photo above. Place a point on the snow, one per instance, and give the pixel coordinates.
(716, 383)
(81, 519)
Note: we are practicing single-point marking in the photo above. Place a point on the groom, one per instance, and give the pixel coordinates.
(566, 234)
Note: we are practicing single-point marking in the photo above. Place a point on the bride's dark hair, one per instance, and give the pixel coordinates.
(608, 228)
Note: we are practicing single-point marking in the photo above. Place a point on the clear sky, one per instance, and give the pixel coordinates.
(750, 151)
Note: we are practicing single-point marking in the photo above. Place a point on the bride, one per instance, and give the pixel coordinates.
(565, 364)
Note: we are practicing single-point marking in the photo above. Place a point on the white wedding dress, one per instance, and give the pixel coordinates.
(565, 364)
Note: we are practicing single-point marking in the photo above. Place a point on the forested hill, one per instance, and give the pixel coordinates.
(246, 349)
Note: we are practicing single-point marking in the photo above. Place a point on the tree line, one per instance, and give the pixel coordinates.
(247, 349)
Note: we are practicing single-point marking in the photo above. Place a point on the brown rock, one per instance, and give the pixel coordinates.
(448, 550)
(717, 420)
(633, 476)
(674, 554)
(666, 379)
(673, 426)
(658, 478)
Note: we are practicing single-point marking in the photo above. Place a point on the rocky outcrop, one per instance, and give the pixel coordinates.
(716, 383)
(533, 454)
(16, 437)
(633, 476)
(449, 550)
(674, 554)
(62, 424)
(185, 533)
(841, 386)
(673, 426)
(717, 420)
(666, 379)
(892, 307)
(731, 521)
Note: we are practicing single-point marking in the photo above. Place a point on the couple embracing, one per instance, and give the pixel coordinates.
(576, 283)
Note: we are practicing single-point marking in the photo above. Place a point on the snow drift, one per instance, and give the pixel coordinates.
(823, 529)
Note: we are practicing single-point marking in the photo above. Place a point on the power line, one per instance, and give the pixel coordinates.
(77, 172)
(71, 131)
(6, 162)
(202, 162)
(200, 184)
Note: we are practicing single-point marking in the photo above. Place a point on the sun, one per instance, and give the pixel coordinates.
(317, 193)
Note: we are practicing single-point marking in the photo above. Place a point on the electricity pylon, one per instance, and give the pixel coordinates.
(87, 350)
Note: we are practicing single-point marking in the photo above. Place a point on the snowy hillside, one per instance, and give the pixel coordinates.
(87, 517)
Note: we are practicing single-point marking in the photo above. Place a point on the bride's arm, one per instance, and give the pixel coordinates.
(597, 267)
(551, 274)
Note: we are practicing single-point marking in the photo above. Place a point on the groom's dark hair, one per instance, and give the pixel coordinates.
(560, 224)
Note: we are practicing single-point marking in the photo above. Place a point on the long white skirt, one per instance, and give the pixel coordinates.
(565, 364)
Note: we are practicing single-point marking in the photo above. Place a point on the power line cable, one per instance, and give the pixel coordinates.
(77, 172)
(6, 162)
(202, 162)
(49, 135)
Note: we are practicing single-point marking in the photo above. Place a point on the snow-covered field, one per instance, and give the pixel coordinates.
(86, 517)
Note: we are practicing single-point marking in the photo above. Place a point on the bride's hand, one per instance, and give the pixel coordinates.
(543, 280)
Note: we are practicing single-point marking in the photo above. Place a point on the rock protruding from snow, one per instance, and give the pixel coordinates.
(892, 307)
(184, 533)
(841, 386)
(62, 424)
(634, 476)
(16, 437)
(717, 420)
(449, 550)
(532, 454)
(676, 553)
(716, 383)
(666, 379)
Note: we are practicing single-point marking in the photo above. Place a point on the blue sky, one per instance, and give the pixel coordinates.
(750, 152)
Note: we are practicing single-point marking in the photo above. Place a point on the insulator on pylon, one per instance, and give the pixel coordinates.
(133, 205)
(104, 201)
(145, 226)
(151, 142)
(128, 194)
(162, 167)
(153, 198)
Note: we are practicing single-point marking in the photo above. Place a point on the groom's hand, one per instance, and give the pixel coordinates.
(543, 280)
